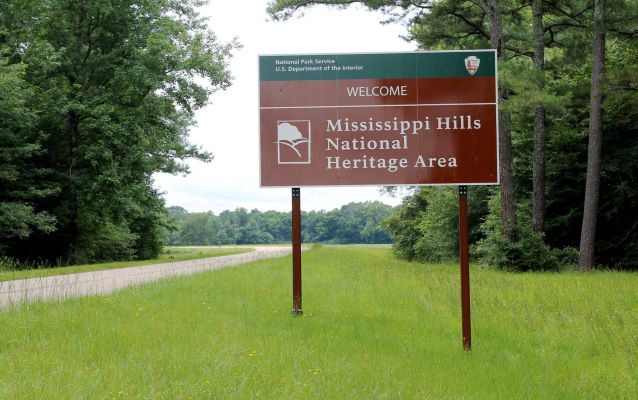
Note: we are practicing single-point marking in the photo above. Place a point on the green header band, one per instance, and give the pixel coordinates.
(438, 64)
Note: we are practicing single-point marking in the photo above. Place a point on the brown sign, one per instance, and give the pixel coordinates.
(379, 119)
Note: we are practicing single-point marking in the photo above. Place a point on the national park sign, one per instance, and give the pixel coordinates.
(420, 118)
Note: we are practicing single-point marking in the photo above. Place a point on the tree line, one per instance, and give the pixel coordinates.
(351, 223)
(568, 130)
(95, 97)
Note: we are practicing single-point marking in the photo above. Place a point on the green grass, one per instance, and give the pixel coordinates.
(373, 328)
(169, 254)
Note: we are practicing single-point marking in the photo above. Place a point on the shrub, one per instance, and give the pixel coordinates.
(528, 253)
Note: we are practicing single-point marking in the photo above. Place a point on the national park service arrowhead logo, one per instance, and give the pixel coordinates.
(472, 64)
(293, 142)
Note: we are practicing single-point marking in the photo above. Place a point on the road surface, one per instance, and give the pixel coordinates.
(100, 282)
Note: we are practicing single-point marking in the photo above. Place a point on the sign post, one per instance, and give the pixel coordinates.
(466, 324)
(418, 118)
(296, 252)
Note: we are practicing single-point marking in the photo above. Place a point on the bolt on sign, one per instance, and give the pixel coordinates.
(419, 118)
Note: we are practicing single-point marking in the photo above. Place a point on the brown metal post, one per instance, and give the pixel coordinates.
(466, 322)
(296, 252)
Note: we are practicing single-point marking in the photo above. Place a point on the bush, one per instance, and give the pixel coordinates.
(403, 224)
(528, 253)
(8, 264)
(439, 226)
(567, 257)
(425, 227)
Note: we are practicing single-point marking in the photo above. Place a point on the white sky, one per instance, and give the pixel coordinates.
(229, 126)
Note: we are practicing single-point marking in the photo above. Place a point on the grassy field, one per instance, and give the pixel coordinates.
(169, 254)
(373, 328)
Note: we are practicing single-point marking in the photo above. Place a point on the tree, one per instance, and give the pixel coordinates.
(594, 150)
(20, 189)
(620, 18)
(403, 225)
(538, 176)
(117, 83)
(197, 229)
(617, 222)
(374, 214)
(508, 194)
(228, 229)
(355, 223)
(177, 216)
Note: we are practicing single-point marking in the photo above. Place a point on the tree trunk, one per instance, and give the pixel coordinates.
(592, 185)
(508, 197)
(538, 162)
(71, 125)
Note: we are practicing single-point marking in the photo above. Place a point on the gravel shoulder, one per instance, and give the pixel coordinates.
(106, 281)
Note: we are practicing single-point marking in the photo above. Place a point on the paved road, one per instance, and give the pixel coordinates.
(99, 282)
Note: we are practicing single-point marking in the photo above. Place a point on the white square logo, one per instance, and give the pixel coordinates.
(293, 142)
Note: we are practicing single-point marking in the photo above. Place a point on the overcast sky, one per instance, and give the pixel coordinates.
(229, 126)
